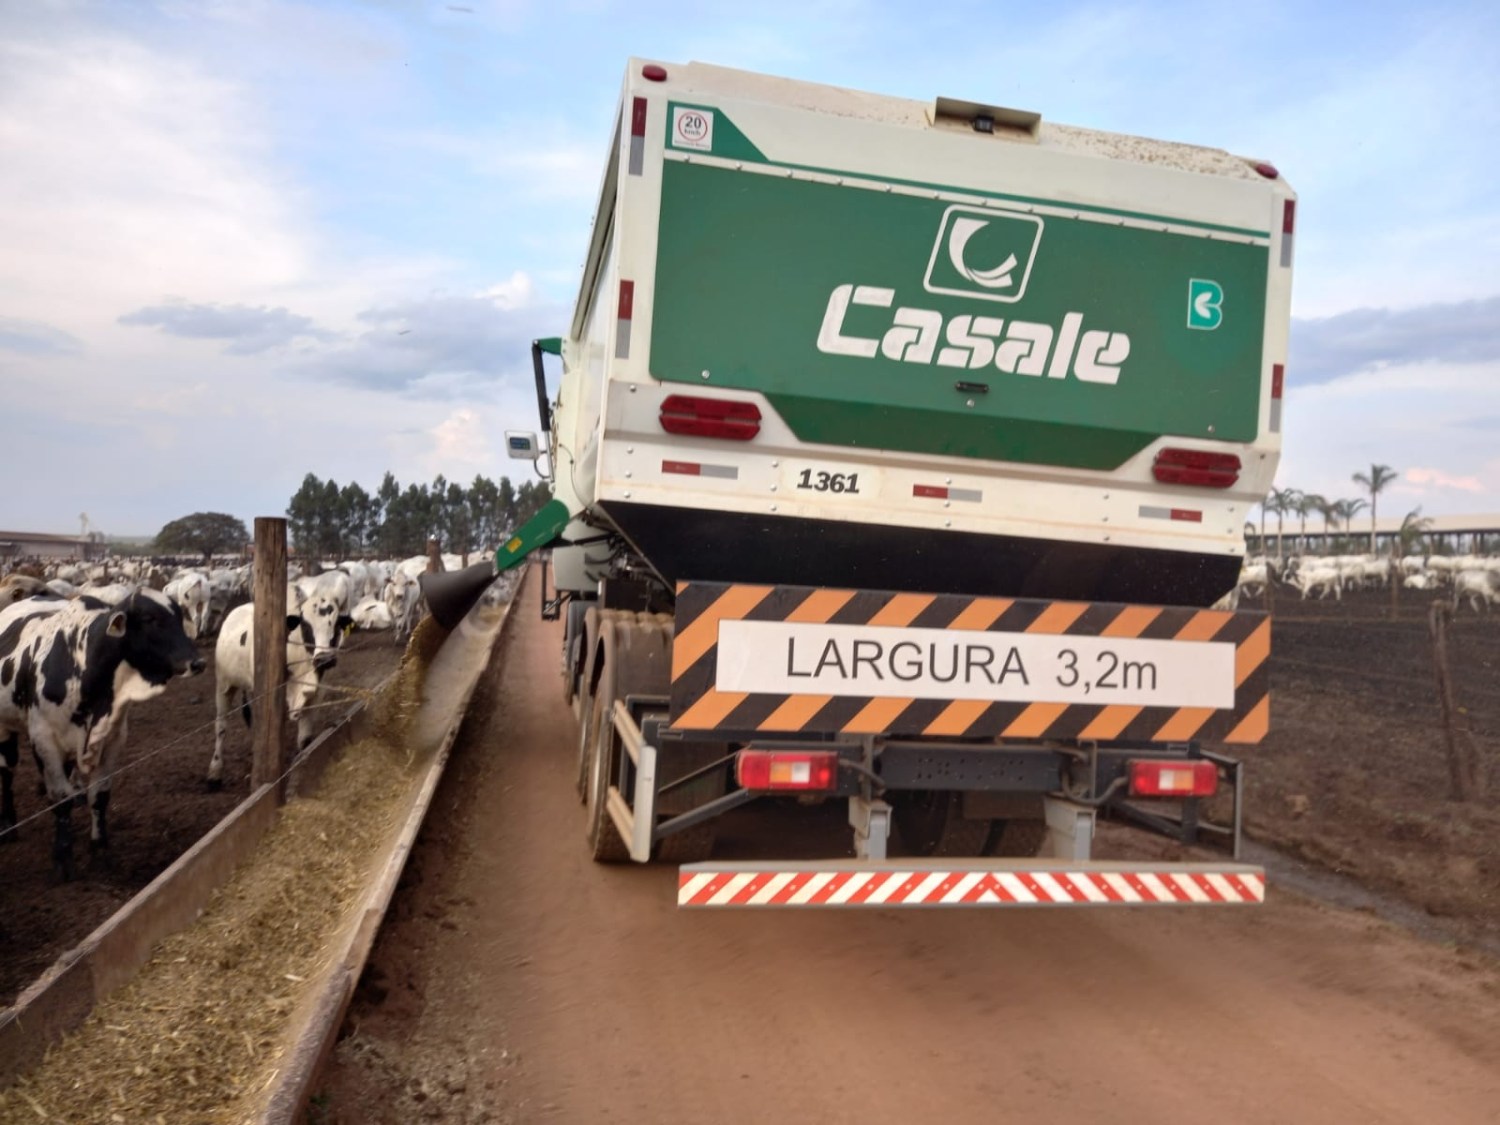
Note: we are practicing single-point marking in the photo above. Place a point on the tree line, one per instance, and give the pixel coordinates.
(1284, 502)
(395, 522)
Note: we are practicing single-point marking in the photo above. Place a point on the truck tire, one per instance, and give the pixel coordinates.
(1019, 839)
(930, 823)
(693, 846)
(605, 842)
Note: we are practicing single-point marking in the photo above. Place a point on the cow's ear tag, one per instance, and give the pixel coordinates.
(116, 624)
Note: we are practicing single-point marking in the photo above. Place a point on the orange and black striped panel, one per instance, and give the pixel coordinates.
(697, 705)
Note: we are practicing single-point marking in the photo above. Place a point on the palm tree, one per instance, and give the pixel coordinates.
(1414, 525)
(1346, 510)
(1307, 504)
(1280, 501)
(1375, 481)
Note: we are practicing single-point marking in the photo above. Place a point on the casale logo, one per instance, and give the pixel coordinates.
(983, 253)
(1019, 347)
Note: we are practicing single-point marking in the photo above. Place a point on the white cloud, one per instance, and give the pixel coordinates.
(461, 440)
(1436, 479)
(1434, 423)
(143, 175)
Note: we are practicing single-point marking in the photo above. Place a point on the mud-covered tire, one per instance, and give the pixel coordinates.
(1016, 839)
(693, 846)
(931, 824)
(605, 842)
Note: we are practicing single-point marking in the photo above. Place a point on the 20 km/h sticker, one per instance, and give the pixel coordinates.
(692, 128)
(781, 657)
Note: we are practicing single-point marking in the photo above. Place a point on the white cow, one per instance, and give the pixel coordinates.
(372, 613)
(333, 584)
(191, 591)
(313, 635)
(403, 596)
(1477, 586)
(1320, 578)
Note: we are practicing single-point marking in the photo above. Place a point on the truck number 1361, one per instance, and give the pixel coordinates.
(828, 482)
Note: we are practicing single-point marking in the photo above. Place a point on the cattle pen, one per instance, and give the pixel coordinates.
(299, 896)
(1352, 780)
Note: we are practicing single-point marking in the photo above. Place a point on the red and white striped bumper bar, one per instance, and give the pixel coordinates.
(994, 883)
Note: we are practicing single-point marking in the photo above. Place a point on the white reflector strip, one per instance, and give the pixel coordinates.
(1224, 887)
(1159, 891)
(1087, 886)
(1052, 888)
(1276, 416)
(846, 892)
(689, 890)
(1189, 887)
(972, 884)
(925, 888)
(770, 889)
(1014, 887)
(1121, 886)
(888, 888)
(726, 893)
(622, 339)
(810, 888)
(963, 886)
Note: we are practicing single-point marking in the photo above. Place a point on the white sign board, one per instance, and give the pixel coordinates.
(782, 657)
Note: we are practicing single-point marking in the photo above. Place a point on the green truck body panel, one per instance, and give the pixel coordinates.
(894, 320)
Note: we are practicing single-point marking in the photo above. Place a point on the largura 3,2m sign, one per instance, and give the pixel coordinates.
(863, 660)
(748, 659)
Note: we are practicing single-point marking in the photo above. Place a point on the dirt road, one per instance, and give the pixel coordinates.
(517, 981)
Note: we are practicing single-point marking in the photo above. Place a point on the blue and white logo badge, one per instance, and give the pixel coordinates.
(1205, 304)
(983, 253)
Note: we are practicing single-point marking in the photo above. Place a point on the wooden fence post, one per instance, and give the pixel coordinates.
(268, 719)
(1465, 772)
(434, 557)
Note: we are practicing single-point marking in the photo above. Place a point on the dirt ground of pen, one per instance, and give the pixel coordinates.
(516, 981)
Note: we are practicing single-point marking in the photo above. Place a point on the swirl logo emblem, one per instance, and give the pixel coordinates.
(983, 253)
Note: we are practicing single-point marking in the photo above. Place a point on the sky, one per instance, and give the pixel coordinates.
(245, 240)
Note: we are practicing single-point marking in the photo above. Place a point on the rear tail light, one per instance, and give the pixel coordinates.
(801, 770)
(1198, 467)
(710, 417)
(1173, 778)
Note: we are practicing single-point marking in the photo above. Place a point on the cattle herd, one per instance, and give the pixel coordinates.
(80, 645)
(1473, 580)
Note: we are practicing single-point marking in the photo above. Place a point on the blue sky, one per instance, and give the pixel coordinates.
(243, 240)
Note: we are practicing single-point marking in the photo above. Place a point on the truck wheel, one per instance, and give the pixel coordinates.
(1021, 839)
(605, 842)
(930, 823)
(693, 846)
(587, 724)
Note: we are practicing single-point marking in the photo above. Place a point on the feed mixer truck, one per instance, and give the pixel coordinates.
(901, 453)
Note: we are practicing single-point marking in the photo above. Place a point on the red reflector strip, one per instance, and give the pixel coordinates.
(733, 884)
(1158, 512)
(1173, 778)
(943, 492)
(1288, 216)
(1278, 378)
(638, 117)
(627, 299)
(694, 469)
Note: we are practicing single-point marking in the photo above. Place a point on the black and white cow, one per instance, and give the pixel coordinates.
(314, 630)
(68, 675)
